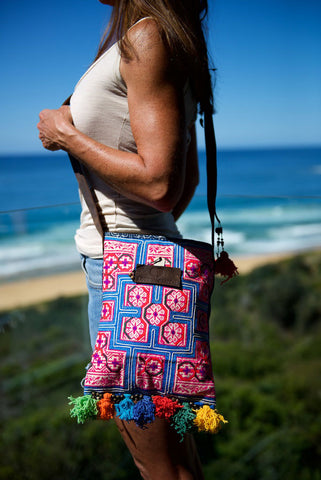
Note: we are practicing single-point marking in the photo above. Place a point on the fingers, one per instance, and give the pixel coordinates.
(53, 147)
(51, 125)
(48, 144)
(44, 113)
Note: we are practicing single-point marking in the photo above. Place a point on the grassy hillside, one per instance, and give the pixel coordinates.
(266, 346)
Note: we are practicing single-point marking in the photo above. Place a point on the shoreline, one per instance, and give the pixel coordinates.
(35, 290)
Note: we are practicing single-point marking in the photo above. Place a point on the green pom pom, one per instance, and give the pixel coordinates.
(183, 420)
(84, 407)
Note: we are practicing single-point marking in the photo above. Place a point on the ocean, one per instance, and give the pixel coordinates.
(269, 201)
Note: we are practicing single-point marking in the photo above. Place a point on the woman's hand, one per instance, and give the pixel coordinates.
(53, 127)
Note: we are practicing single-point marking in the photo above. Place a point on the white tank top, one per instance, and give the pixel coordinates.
(99, 109)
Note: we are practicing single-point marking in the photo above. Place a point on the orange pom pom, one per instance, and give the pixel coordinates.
(106, 407)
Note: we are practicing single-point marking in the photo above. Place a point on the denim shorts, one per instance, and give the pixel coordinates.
(93, 268)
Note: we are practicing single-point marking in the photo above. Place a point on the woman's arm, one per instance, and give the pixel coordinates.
(191, 177)
(156, 174)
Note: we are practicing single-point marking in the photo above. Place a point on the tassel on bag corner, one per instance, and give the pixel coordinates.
(208, 419)
(224, 266)
(84, 407)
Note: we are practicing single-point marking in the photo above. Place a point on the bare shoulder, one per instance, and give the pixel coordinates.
(148, 49)
(145, 35)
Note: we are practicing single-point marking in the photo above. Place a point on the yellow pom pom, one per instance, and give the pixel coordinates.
(208, 420)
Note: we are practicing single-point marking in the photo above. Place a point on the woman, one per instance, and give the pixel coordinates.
(131, 123)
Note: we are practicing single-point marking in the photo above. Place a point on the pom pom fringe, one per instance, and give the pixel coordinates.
(142, 410)
(124, 409)
(165, 407)
(208, 420)
(106, 407)
(84, 407)
(183, 420)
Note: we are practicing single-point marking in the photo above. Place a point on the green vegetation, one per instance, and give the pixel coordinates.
(266, 345)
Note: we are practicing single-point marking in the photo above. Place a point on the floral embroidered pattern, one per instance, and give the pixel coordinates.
(153, 340)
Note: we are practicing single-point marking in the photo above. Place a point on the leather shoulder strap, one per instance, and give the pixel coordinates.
(211, 169)
(88, 191)
(89, 195)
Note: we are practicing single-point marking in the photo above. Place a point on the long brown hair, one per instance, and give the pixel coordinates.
(181, 27)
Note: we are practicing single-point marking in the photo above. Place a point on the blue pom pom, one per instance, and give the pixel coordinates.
(124, 409)
(144, 411)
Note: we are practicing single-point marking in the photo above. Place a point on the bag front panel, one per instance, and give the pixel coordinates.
(154, 339)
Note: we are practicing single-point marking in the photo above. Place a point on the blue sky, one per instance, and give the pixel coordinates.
(267, 54)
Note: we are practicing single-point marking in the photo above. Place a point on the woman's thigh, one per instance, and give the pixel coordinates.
(93, 269)
(158, 452)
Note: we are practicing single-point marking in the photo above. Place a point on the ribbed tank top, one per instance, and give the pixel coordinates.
(99, 109)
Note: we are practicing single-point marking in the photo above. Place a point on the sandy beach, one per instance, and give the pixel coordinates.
(31, 291)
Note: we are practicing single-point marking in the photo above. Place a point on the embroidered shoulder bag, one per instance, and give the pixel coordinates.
(152, 354)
